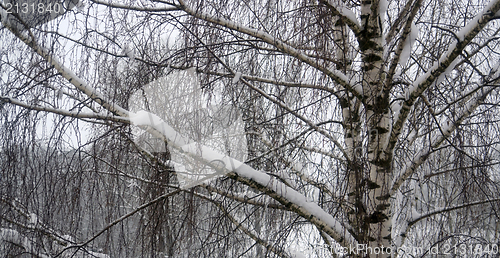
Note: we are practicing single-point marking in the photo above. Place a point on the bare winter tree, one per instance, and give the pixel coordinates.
(370, 129)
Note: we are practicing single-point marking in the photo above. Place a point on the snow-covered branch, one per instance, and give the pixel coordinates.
(243, 173)
(80, 115)
(446, 129)
(336, 75)
(404, 44)
(465, 36)
(348, 17)
(80, 84)
(237, 170)
(32, 223)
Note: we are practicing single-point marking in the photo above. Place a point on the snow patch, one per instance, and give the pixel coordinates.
(296, 166)
(179, 112)
(296, 254)
(415, 214)
(496, 70)
(409, 42)
(382, 8)
(33, 219)
(129, 51)
(344, 11)
(68, 238)
(236, 78)
(146, 120)
(396, 108)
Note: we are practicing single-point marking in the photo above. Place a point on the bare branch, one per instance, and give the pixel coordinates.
(337, 76)
(80, 115)
(68, 74)
(110, 225)
(244, 229)
(443, 210)
(423, 82)
(136, 8)
(448, 129)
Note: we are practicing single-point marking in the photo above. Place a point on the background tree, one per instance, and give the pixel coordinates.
(367, 124)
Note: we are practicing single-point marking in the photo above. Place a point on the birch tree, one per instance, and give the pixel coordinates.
(371, 128)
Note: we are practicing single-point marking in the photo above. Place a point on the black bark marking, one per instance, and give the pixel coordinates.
(383, 197)
(382, 207)
(377, 217)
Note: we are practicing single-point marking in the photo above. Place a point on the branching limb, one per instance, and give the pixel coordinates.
(238, 171)
(425, 81)
(80, 84)
(80, 115)
(280, 103)
(401, 44)
(271, 81)
(336, 75)
(447, 209)
(245, 230)
(401, 17)
(446, 132)
(33, 224)
(83, 244)
(347, 16)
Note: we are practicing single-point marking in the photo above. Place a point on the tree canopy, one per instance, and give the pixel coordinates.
(249, 128)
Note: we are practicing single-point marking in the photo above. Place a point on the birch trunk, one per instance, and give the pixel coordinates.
(375, 231)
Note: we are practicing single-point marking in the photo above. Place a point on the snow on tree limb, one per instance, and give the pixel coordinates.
(425, 81)
(246, 174)
(79, 83)
(336, 75)
(404, 15)
(240, 171)
(236, 78)
(465, 35)
(447, 130)
(81, 115)
(407, 31)
(347, 16)
(30, 245)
